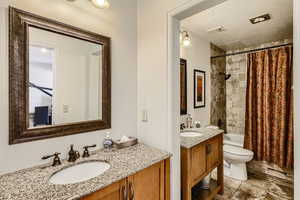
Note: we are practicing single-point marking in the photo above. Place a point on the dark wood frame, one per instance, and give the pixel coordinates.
(19, 23)
(195, 87)
(183, 111)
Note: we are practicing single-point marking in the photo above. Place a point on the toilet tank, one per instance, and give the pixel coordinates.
(234, 139)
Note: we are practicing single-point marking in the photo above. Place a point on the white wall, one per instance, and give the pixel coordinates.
(120, 23)
(198, 57)
(152, 70)
(153, 78)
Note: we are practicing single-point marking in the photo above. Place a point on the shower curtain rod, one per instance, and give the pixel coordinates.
(250, 51)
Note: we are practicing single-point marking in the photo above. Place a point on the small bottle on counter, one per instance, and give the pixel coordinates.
(107, 142)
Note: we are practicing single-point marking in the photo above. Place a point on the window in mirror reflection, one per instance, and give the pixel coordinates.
(65, 79)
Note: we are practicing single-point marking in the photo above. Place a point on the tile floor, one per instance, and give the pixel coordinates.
(257, 187)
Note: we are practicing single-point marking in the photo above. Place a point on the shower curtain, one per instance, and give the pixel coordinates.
(269, 106)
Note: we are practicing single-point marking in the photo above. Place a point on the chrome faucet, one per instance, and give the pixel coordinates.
(189, 121)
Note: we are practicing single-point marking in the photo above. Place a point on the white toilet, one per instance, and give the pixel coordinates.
(235, 157)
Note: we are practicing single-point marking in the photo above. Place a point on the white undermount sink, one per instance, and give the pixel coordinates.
(80, 172)
(191, 134)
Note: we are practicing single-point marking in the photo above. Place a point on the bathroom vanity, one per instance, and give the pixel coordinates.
(201, 153)
(137, 172)
(59, 85)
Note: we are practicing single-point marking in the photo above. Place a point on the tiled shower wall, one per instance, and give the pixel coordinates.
(218, 88)
(236, 93)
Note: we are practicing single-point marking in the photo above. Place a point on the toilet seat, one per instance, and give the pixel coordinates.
(237, 150)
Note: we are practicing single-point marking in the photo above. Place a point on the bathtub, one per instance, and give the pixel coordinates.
(234, 139)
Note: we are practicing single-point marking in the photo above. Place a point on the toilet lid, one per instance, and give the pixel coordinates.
(237, 150)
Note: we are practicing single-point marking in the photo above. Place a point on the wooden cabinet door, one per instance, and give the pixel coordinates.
(198, 162)
(214, 151)
(147, 184)
(116, 191)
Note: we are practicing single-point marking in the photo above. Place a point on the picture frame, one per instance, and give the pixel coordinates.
(183, 87)
(199, 88)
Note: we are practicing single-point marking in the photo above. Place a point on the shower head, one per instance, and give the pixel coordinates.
(226, 76)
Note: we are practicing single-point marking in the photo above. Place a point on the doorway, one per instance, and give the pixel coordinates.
(174, 18)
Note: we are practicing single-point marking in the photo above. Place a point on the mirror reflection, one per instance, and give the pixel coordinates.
(65, 79)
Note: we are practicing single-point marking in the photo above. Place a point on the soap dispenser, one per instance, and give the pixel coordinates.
(107, 142)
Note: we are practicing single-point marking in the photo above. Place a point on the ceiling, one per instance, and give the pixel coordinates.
(234, 16)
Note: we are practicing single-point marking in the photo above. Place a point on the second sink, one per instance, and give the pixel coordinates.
(191, 134)
(80, 172)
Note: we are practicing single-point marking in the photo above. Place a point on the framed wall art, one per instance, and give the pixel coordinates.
(199, 89)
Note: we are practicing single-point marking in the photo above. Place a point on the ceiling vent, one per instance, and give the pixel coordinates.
(260, 19)
(216, 29)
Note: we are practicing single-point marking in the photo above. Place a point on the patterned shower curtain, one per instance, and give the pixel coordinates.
(269, 106)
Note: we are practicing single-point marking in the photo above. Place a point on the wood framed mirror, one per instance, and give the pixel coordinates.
(183, 87)
(59, 79)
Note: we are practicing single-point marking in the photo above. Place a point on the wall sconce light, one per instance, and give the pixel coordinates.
(97, 3)
(185, 39)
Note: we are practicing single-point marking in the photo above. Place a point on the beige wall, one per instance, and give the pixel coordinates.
(120, 23)
(152, 70)
(198, 57)
(153, 82)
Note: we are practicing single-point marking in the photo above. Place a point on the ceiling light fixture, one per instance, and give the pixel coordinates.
(97, 3)
(185, 39)
(260, 19)
(100, 3)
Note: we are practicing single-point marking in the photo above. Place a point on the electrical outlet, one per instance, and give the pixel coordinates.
(65, 108)
(145, 116)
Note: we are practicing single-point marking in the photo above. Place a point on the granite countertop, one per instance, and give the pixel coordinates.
(32, 183)
(189, 142)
